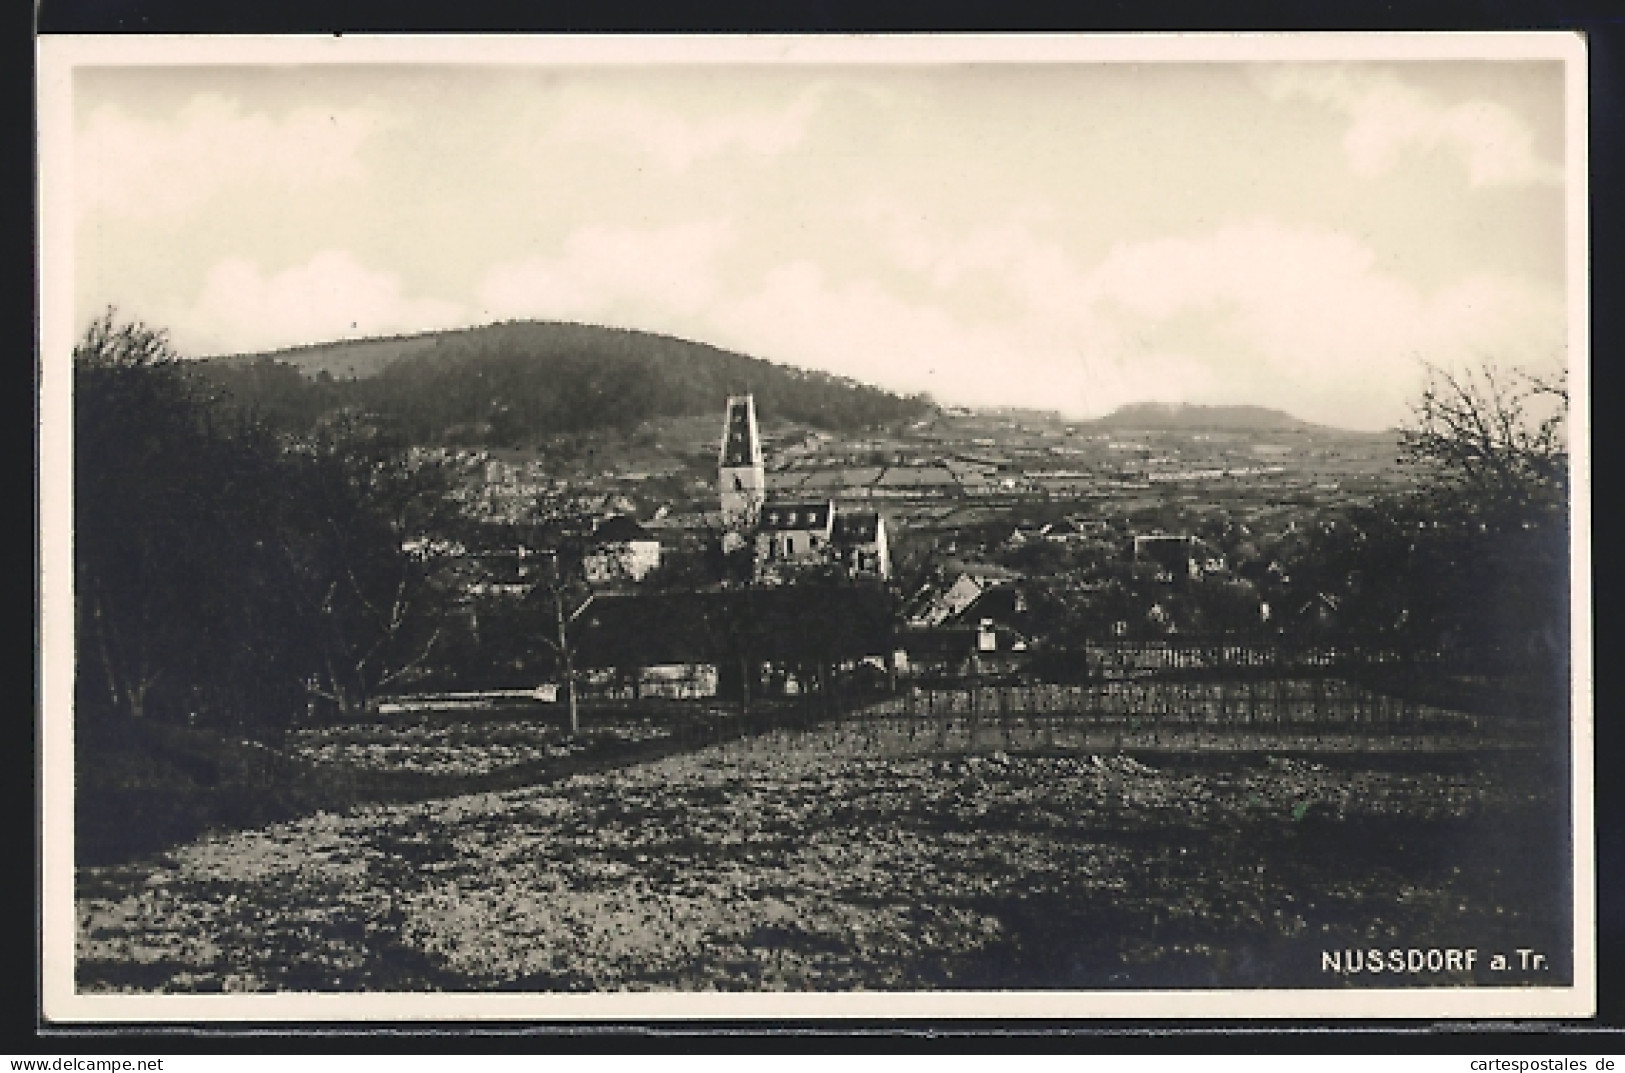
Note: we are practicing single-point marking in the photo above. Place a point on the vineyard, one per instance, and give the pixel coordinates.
(1277, 713)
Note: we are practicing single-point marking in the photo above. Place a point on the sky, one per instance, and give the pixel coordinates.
(1066, 236)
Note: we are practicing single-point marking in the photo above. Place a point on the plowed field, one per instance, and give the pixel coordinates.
(845, 858)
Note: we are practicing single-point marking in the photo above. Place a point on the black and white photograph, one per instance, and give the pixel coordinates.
(938, 526)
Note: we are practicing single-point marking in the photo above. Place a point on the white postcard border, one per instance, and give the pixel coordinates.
(59, 56)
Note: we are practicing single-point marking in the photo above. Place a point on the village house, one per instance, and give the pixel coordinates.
(795, 533)
(780, 640)
(1064, 531)
(860, 543)
(1023, 534)
(620, 550)
(633, 646)
(958, 590)
(974, 651)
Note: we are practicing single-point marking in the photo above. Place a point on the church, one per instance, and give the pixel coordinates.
(788, 536)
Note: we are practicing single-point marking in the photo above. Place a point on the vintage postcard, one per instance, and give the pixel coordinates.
(800, 527)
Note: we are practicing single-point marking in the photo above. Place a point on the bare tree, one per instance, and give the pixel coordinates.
(1475, 561)
(558, 592)
(565, 598)
(380, 608)
(1501, 434)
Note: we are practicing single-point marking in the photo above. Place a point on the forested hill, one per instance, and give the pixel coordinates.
(506, 383)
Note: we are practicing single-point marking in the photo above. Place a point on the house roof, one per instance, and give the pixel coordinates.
(1169, 552)
(787, 622)
(924, 642)
(928, 604)
(857, 527)
(1001, 602)
(1163, 540)
(619, 529)
(796, 515)
(998, 598)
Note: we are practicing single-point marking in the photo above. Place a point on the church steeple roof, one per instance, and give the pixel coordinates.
(741, 446)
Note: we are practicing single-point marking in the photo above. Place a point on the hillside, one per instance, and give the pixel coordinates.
(1180, 417)
(509, 383)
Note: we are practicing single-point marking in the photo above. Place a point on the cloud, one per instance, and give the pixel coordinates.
(1297, 317)
(614, 275)
(331, 296)
(862, 329)
(1308, 307)
(147, 169)
(1388, 118)
(677, 141)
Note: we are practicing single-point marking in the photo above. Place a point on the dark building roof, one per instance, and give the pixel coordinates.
(857, 527)
(783, 623)
(796, 515)
(1002, 602)
(953, 642)
(619, 529)
(1167, 551)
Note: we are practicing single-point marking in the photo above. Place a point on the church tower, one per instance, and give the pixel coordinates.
(740, 478)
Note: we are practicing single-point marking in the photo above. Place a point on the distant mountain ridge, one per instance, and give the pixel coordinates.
(1176, 417)
(505, 383)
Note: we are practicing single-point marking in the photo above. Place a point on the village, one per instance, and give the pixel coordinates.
(969, 545)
